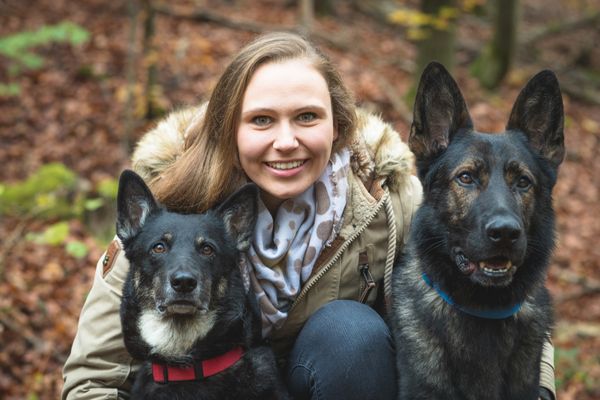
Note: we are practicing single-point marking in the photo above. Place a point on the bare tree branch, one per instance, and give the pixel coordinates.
(586, 21)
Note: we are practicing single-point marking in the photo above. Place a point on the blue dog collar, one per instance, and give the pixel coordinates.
(486, 314)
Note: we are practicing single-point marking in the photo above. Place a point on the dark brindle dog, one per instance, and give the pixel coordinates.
(185, 311)
(470, 310)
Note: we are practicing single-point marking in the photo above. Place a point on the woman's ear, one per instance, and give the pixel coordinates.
(335, 130)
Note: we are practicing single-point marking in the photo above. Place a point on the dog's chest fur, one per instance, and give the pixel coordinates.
(171, 338)
(459, 356)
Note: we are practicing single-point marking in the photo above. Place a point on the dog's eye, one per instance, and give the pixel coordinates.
(465, 178)
(524, 182)
(159, 248)
(206, 250)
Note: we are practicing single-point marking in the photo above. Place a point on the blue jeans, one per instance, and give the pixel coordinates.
(344, 351)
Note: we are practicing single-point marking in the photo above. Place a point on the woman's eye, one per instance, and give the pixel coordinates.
(206, 250)
(465, 178)
(307, 117)
(159, 248)
(261, 120)
(524, 182)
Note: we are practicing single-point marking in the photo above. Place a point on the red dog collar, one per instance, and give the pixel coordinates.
(163, 373)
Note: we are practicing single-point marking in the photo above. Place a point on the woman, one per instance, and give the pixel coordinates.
(336, 181)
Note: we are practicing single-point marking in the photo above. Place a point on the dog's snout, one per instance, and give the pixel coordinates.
(183, 282)
(503, 230)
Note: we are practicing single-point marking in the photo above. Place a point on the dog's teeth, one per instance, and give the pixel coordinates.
(495, 271)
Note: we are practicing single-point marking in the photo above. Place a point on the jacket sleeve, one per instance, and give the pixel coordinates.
(547, 368)
(99, 366)
(406, 202)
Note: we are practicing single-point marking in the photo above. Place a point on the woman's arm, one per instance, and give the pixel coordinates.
(547, 371)
(99, 366)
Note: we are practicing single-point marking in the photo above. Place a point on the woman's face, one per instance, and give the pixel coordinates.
(286, 129)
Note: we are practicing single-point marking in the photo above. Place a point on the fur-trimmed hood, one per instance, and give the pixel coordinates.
(378, 147)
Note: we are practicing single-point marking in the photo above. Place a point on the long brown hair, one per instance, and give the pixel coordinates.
(208, 170)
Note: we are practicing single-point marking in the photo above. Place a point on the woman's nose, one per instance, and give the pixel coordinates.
(285, 138)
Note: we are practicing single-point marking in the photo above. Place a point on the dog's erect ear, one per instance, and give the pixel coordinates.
(239, 214)
(134, 203)
(538, 112)
(439, 112)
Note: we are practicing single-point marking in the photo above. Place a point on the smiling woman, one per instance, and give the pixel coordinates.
(337, 197)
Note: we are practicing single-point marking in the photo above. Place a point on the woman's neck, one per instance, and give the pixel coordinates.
(271, 202)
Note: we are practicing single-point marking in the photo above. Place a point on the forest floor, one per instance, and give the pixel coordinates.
(73, 110)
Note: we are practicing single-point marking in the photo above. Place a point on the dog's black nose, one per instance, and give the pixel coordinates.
(183, 282)
(503, 230)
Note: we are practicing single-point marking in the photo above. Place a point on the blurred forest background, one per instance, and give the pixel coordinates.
(80, 81)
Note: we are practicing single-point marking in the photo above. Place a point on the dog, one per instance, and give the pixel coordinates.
(185, 311)
(470, 312)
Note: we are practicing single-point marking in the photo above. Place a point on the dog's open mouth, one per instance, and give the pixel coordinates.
(496, 267)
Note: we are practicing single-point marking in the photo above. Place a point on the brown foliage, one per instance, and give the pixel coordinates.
(73, 111)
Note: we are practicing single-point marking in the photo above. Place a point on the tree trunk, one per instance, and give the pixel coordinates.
(437, 45)
(126, 142)
(150, 59)
(306, 9)
(495, 61)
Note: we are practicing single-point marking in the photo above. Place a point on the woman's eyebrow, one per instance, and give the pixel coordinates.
(257, 110)
(312, 108)
(309, 107)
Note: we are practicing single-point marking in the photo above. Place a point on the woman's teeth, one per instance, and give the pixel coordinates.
(285, 165)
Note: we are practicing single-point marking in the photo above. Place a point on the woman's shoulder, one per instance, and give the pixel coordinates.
(163, 144)
(378, 152)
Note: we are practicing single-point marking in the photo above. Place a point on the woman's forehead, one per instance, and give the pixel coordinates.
(295, 83)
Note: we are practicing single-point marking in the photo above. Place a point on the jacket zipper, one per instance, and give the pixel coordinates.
(369, 284)
(337, 255)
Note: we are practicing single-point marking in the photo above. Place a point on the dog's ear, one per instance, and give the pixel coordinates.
(239, 214)
(134, 203)
(439, 112)
(538, 112)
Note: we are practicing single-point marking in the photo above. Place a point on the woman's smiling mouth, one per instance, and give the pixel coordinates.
(286, 165)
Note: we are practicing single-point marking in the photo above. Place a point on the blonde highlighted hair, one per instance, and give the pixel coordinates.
(208, 170)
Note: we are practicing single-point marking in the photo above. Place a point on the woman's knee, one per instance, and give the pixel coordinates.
(355, 323)
(344, 346)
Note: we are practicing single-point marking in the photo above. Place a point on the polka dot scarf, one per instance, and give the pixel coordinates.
(284, 250)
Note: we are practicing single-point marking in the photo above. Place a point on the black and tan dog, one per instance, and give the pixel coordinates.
(470, 310)
(185, 312)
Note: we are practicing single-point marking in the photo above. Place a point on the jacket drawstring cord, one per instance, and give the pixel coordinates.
(391, 253)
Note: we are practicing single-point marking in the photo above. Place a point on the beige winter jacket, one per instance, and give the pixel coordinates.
(382, 198)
